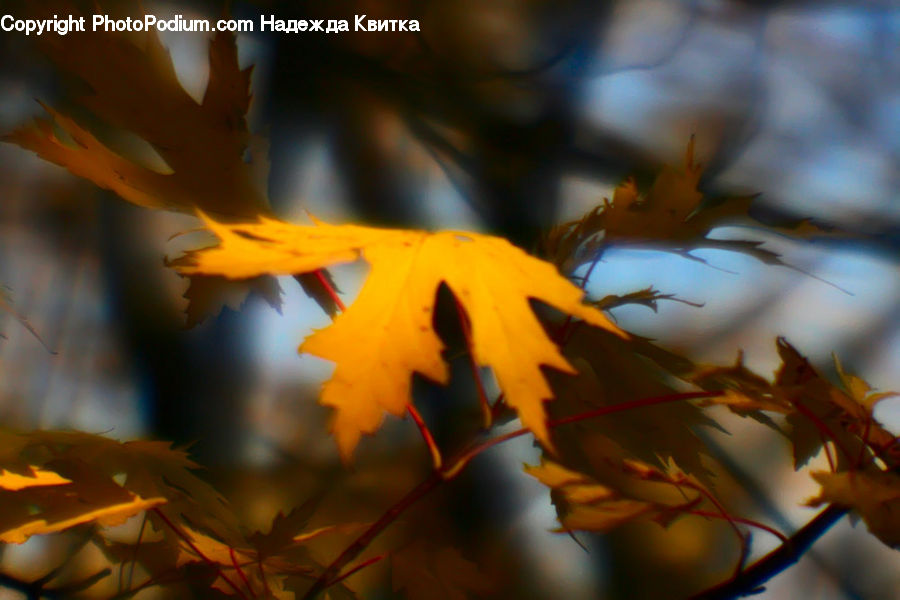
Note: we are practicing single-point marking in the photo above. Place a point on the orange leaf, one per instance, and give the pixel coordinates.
(387, 334)
(111, 515)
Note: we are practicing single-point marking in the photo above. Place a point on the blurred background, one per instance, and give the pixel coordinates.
(502, 116)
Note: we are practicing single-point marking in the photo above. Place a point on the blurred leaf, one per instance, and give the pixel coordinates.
(51, 509)
(815, 408)
(630, 490)
(613, 371)
(210, 160)
(874, 495)
(426, 572)
(671, 216)
(122, 470)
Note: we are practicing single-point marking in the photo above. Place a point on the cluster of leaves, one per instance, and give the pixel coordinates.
(54, 481)
(620, 436)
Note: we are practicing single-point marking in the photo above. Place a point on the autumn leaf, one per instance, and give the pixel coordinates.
(425, 572)
(612, 371)
(206, 157)
(387, 334)
(875, 495)
(627, 491)
(43, 502)
(60, 495)
(814, 408)
(38, 477)
(238, 569)
(209, 158)
(104, 472)
(267, 563)
(672, 215)
(51, 520)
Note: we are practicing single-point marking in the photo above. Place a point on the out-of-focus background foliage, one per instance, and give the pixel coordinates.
(505, 116)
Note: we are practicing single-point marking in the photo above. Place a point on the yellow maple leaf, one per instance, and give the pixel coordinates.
(107, 516)
(39, 477)
(387, 334)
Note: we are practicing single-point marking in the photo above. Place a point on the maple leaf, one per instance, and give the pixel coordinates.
(50, 510)
(627, 491)
(875, 495)
(424, 571)
(60, 495)
(272, 564)
(37, 478)
(612, 371)
(104, 472)
(672, 216)
(387, 334)
(210, 160)
(814, 408)
(238, 568)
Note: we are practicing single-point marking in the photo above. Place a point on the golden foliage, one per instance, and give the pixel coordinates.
(387, 334)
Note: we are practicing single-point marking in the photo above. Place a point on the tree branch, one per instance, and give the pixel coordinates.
(751, 579)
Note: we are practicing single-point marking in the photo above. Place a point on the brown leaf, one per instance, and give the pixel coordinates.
(427, 572)
(815, 408)
(875, 495)
(623, 491)
(672, 216)
(205, 156)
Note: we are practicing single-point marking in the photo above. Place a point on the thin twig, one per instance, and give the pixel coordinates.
(359, 567)
(742, 521)
(240, 571)
(361, 543)
(320, 275)
(436, 458)
(455, 467)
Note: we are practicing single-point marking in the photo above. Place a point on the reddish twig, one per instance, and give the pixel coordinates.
(467, 455)
(240, 572)
(722, 514)
(359, 544)
(330, 289)
(436, 458)
(742, 521)
(199, 552)
(359, 567)
(455, 467)
(262, 575)
(821, 426)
